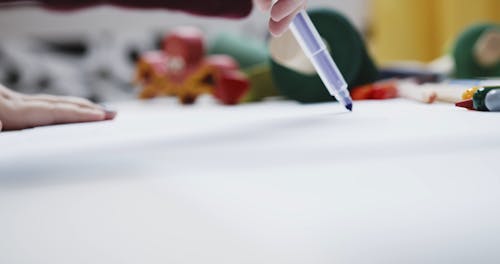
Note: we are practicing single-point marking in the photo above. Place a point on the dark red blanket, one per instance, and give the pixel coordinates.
(221, 8)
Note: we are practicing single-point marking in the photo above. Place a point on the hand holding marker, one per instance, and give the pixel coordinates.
(284, 12)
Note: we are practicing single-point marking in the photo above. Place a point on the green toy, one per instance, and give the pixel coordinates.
(477, 52)
(270, 77)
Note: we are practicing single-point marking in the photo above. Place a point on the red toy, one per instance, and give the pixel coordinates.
(375, 91)
(183, 70)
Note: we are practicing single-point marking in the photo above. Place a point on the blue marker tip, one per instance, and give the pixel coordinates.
(349, 107)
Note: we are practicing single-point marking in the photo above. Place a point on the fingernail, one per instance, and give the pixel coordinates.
(109, 114)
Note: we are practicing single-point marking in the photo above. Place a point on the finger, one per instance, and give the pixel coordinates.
(277, 28)
(3, 89)
(284, 8)
(62, 99)
(70, 113)
(109, 114)
(7, 93)
(40, 113)
(0, 125)
(263, 5)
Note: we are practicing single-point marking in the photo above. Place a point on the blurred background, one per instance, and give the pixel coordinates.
(92, 52)
(423, 29)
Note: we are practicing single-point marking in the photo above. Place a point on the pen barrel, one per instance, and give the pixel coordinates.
(480, 96)
(331, 76)
(313, 46)
(306, 34)
(492, 100)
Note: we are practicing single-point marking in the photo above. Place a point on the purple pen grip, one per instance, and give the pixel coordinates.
(310, 40)
(330, 74)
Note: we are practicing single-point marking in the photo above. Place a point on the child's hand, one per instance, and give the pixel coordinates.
(19, 111)
(282, 13)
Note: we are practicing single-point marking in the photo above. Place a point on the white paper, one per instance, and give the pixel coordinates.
(392, 182)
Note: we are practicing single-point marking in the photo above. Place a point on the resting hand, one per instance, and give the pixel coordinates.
(19, 111)
(282, 13)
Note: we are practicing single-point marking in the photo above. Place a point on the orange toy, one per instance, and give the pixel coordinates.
(183, 70)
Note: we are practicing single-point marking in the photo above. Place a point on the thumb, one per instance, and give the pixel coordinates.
(264, 5)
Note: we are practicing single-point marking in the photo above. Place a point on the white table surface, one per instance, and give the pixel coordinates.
(278, 182)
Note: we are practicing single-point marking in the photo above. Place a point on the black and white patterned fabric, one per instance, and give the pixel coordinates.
(99, 67)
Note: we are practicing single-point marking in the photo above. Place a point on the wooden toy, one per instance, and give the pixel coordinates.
(182, 69)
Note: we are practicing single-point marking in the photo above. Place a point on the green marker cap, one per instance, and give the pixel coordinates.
(479, 97)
